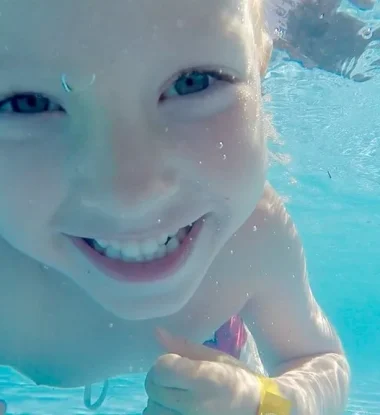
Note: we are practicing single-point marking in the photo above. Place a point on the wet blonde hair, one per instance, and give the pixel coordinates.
(263, 40)
(265, 46)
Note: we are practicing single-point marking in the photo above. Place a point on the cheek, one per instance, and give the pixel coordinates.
(30, 184)
(227, 150)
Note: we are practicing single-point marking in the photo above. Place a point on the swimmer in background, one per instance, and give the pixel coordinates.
(316, 34)
(138, 231)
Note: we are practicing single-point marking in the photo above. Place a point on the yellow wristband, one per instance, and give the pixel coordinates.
(271, 400)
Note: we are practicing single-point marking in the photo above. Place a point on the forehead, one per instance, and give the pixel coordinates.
(83, 29)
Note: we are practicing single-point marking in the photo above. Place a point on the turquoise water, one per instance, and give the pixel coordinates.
(330, 127)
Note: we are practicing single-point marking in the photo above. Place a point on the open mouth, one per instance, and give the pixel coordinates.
(146, 251)
(149, 260)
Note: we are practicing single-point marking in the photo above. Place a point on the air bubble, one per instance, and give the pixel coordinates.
(70, 85)
(366, 33)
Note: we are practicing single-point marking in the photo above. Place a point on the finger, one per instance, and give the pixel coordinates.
(179, 400)
(182, 347)
(153, 408)
(3, 407)
(172, 371)
(176, 372)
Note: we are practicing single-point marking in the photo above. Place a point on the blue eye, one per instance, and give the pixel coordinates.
(28, 103)
(193, 82)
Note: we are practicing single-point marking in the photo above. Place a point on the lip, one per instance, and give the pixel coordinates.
(143, 272)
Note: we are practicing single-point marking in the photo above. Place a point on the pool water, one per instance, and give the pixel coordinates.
(330, 126)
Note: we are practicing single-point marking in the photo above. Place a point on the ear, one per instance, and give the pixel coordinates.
(265, 53)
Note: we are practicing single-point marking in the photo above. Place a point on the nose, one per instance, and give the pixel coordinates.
(122, 172)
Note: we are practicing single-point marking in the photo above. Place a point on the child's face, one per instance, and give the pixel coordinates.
(134, 151)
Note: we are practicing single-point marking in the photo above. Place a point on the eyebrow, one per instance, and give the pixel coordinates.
(225, 48)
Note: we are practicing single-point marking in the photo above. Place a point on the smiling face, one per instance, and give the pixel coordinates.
(162, 129)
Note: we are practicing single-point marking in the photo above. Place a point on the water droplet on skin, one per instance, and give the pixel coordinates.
(200, 162)
(166, 129)
(158, 220)
(45, 267)
(232, 252)
(110, 325)
(224, 157)
(254, 228)
(220, 145)
(321, 16)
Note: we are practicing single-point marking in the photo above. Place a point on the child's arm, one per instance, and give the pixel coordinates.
(300, 347)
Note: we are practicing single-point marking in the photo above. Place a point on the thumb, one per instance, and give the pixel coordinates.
(182, 347)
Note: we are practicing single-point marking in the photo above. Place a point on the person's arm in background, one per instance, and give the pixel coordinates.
(363, 4)
(318, 35)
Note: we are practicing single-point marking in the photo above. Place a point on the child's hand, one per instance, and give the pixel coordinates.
(3, 407)
(194, 379)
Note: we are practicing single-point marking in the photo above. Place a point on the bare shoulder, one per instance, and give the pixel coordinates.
(280, 248)
(272, 216)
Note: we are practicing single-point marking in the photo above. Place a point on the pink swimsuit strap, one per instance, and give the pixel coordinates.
(230, 338)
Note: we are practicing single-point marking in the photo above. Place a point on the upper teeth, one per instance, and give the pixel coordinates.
(141, 251)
